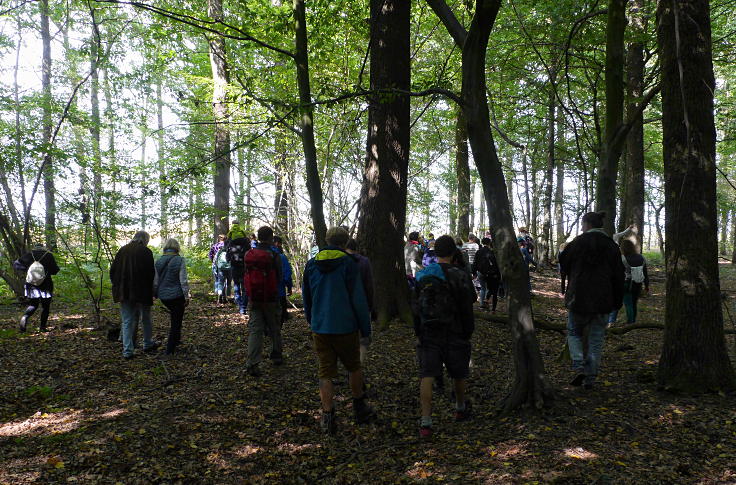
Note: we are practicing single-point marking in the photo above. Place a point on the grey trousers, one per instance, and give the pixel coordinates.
(260, 316)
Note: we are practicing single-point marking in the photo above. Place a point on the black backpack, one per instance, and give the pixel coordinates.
(236, 253)
(487, 264)
(436, 305)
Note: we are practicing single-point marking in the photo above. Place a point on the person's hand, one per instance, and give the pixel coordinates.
(645, 292)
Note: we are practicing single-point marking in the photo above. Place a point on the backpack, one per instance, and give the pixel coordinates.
(235, 253)
(529, 243)
(637, 272)
(261, 275)
(435, 305)
(487, 265)
(36, 273)
(221, 259)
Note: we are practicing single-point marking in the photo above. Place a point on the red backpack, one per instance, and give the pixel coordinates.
(260, 275)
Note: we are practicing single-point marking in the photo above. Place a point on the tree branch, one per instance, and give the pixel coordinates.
(448, 18)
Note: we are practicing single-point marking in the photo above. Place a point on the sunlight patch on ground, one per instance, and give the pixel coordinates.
(422, 470)
(246, 450)
(580, 453)
(113, 413)
(505, 451)
(17, 470)
(60, 422)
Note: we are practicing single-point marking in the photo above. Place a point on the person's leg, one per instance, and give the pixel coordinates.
(596, 339)
(425, 397)
(237, 284)
(228, 282)
(635, 292)
(628, 304)
(128, 316)
(326, 394)
(613, 316)
(493, 292)
(45, 311)
(256, 322)
(575, 340)
(460, 393)
(274, 325)
(145, 312)
(33, 304)
(176, 308)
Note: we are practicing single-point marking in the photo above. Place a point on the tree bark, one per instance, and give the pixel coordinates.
(144, 169)
(383, 194)
(94, 128)
(306, 111)
(694, 356)
(634, 197)
(111, 210)
(559, 202)
(530, 385)
(163, 191)
(611, 149)
(220, 79)
(462, 171)
(546, 239)
(49, 188)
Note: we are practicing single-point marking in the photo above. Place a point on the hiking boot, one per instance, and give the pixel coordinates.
(253, 371)
(128, 356)
(362, 411)
(578, 380)
(153, 348)
(23, 323)
(425, 432)
(329, 422)
(465, 414)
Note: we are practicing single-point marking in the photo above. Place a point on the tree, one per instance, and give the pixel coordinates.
(462, 171)
(47, 166)
(694, 356)
(383, 194)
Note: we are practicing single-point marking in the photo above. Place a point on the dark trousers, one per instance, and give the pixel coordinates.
(176, 307)
(33, 305)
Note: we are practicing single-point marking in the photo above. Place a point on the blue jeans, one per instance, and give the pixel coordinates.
(586, 362)
(241, 299)
(223, 281)
(131, 312)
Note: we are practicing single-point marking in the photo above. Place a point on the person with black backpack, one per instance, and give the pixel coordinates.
(443, 323)
(263, 274)
(38, 265)
(236, 249)
(485, 267)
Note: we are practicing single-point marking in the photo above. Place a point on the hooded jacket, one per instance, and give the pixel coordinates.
(235, 232)
(334, 299)
(592, 262)
(132, 273)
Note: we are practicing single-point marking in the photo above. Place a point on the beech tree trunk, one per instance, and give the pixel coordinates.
(162, 184)
(559, 204)
(633, 191)
(383, 195)
(462, 171)
(306, 112)
(94, 128)
(49, 189)
(220, 79)
(611, 149)
(530, 385)
(694, 356)
(546, 239)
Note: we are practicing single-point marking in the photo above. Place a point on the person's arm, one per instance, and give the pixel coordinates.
(50, 265)
(184, 279)
(467, 298)
(617, 237)
(288, 281)
(618, 277)
(155, 281)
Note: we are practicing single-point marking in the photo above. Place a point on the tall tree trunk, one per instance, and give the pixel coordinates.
(306, 111)
(530, 385)
(559, 202)
(220, 79)
(546, 239)
(240, 193)
(527, 193)
(724, 232)
(49, 189)
(733, 239)
(163, 191)
(462, 171)
(94, 128)
(144, 170)
(281, 199)
(614, 73)
(694, 356)
(535, 203)
(383, 194)
(111, 208)
(634, 200)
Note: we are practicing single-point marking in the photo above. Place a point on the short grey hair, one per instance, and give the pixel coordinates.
(141, 237)
(172, 244)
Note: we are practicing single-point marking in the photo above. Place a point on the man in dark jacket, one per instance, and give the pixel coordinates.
(236, 250)
(132, 273)
(443, 323)
(595, 288)
(337, 311)
(41, 294)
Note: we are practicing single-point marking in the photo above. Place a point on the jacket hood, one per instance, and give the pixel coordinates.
(236, 232)
(330, 258)
(433, 269)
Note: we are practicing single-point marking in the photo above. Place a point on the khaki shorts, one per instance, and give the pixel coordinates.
(331, 347)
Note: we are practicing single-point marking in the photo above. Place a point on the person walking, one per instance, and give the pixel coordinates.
(132, 273)
(636, 274)
(337, 311)
(38, 265)
(443, 323)
(235, 255)
(220, 269)
(263, 272)
(486, 269)
(286, 285)
(171, 286)
(413, 257)
(595, 288)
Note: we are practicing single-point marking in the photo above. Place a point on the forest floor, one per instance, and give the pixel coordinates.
(73, 411)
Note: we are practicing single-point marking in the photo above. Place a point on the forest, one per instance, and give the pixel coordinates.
(386, 117)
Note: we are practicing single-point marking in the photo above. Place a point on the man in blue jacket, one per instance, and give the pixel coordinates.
(337, 311)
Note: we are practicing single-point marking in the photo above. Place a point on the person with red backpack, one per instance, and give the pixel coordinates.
(263, 273)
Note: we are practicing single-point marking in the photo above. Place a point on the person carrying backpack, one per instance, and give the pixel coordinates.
(236, 249)
(286, 284)
(336, 309)
(38, 265)
(443, 324)
(263, 273)
(220, 269)
(636, 275)
(592, 263)
(485, 267)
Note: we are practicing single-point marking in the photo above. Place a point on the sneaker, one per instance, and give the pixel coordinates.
(425, 432)
(465, 414)
(329, 422)
(153, 348)
(578, 380)
(23, 322)
(253, 371)
(362, 411)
